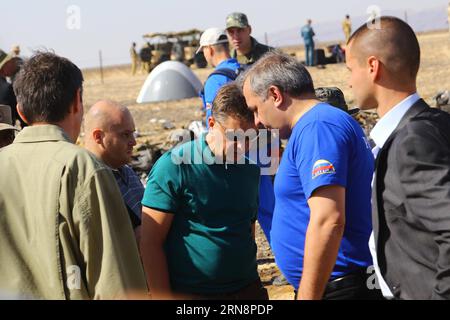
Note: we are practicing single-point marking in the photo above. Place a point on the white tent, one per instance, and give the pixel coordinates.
(170, 80)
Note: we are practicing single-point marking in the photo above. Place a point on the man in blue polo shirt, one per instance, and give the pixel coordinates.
(215, 47)
(322, 217)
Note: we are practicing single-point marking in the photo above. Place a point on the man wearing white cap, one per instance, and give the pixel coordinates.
(215, 47)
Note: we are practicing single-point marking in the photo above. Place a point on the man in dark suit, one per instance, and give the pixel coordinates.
(411, 186)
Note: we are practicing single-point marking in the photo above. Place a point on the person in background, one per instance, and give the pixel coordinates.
(134, 58)
(109, 135)
(347, 27)
(308, 34)
(246, 50)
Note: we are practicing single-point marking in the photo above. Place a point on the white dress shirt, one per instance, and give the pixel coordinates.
(379, 134)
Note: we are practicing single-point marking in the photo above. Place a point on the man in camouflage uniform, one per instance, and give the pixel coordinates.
(245, 48)
(134, 58)
(146, 57)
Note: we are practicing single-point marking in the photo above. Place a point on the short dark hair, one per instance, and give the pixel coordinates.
(281, 70)
(224, 46)
(46, 87)
(394, 42)
(230, 102)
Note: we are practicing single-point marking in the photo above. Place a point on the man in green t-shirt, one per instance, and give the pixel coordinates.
(199, 210)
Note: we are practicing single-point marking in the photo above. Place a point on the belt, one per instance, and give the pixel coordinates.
(356, 278)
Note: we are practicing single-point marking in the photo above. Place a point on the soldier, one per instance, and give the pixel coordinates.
(347, 27)
(134, 58)
(178, 51)
(246, 49)
(146, 57)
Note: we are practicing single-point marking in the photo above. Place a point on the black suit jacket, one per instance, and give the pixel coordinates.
(411, 205)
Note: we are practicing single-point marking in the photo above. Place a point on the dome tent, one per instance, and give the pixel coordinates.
(171, 80)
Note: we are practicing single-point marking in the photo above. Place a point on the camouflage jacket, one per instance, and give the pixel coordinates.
(258, 50)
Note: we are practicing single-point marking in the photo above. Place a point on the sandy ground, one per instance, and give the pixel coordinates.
(119, 85)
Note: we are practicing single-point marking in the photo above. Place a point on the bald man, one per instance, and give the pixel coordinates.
(411, 186)
(109, 134)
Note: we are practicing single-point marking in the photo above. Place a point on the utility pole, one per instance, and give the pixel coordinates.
(101, 64)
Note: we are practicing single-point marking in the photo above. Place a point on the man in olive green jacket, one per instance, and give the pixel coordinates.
(64, 229)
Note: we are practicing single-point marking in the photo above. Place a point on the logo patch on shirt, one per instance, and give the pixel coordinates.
(208, 106)
(322, 167)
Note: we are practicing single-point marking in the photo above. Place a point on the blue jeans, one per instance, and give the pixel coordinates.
(309, 54)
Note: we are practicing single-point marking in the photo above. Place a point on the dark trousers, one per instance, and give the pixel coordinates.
(351, 287)
(253, 291)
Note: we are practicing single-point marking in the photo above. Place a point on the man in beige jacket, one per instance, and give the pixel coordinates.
(64, 229)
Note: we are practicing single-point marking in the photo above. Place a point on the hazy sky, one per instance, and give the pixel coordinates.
(78, 29)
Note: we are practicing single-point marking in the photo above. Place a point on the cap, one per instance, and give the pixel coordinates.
(5, 118)
(4, 58)
(212, 36)
(237, 20)
(333, 96)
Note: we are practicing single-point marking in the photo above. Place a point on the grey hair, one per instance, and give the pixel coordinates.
(280, 70)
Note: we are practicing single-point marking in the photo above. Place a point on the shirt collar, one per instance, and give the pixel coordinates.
(387, 124)
(42, 133)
